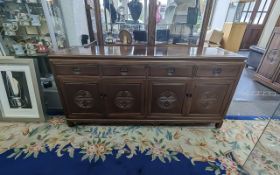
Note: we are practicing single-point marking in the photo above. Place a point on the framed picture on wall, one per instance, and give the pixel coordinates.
(20, 97)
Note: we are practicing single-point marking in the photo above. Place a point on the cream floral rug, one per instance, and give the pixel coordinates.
(265, 158)
(159, 150)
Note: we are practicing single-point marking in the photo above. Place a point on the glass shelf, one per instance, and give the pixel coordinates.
(124, 22)
(179, 21)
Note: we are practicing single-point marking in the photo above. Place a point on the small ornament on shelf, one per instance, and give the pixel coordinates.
(10, 28)
(24, 19)
(18, 49)
(31, 48)
(35, 20)
(121, 14)
(135, 8)
(41, 48)
(109, 39)
(125, 37)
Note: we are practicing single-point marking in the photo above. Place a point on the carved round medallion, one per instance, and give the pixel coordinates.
(84, 99)
(273, 55)
(124, 100)
(208, 100)
(167, 100)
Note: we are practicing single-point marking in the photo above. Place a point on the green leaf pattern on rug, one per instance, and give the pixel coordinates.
(265, 157)
(163, 143)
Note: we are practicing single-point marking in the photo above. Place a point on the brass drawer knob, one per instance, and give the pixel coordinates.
(170, 71)
(124, 70)
(217, 71)
(76, 70)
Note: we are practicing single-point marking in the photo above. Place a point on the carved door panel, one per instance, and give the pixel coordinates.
(124, 97)
(81, 97)
(271, 58)
(168, 97)
(210, 97)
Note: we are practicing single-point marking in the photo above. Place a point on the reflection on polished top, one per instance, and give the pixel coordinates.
(145, 52)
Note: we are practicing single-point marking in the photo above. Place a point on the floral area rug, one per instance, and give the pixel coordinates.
(265, 158)
(53, 148)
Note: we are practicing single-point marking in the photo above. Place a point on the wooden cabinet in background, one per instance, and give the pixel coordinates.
(268, 72)
(233, 34)
(177, 87)
(277, 82)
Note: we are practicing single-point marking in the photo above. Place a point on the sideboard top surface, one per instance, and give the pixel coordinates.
(145, 52)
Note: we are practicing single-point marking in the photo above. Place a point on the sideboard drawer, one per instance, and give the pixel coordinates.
(64, 69)
(171, 71)
(217, 70)
(124, 70)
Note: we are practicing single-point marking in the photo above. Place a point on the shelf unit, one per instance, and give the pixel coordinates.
(48, 26)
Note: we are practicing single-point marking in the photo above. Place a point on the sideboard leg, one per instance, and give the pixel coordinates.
(219, 124)
(70, 123)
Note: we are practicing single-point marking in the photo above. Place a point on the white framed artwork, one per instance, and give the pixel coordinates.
(20, 97)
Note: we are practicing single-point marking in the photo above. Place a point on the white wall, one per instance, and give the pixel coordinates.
(219, 14)
(75, 20)
(270, 24)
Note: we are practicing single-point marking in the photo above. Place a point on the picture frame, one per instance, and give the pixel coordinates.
(20, 95)
(7, 57)
(3, 49)
(31, 30)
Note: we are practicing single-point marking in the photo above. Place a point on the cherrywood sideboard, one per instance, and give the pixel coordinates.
(146, 85)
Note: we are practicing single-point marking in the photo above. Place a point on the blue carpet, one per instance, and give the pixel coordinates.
(50, 164)
(52, 148)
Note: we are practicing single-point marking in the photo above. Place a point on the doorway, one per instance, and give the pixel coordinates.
(255, 14)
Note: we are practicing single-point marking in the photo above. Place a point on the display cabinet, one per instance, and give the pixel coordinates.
(268, 72)
(148, 22)
(31, 27)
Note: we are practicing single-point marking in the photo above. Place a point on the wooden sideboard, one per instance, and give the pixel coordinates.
(268, 72)
(146, 85)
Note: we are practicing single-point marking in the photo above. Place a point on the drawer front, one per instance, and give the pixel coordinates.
(124, 70)
(76, 69)
(217, 70)
(171, 71)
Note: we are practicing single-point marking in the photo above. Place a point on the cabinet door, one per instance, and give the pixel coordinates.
(124, 97)
(210, 97)
(81, 97)
(271, 58)
(167, 97)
